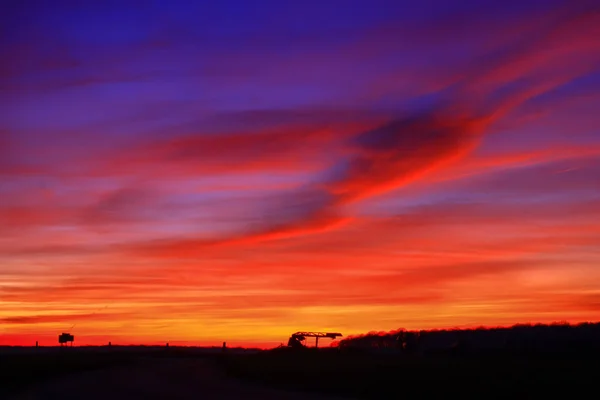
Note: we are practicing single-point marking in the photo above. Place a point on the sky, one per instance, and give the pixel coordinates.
(237, 171)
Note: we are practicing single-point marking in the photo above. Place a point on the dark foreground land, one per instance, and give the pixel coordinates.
(184, 373)
(380, 376)
(125, 373)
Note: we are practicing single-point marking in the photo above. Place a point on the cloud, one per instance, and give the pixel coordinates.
(392, 155)
(486, 163)
(61, 318)
(395, 154)
(375, 162)
(380, 160)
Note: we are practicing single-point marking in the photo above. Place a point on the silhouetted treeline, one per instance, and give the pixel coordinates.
(523, 338)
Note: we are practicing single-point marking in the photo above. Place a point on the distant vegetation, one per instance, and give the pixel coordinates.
(523, 361)
(540, 338)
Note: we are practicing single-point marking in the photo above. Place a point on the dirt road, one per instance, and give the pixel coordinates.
(157, 379)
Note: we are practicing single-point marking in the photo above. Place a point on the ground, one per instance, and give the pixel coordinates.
(173, 373)
(152, 378)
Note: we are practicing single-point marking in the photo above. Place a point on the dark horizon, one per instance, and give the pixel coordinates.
(371, 337)
(527, 360)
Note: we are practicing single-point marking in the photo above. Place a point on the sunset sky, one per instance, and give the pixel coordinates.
(241, 170)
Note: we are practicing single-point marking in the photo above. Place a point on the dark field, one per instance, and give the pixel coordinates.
(201, 373)
(23, 367)
(126, 373)
(372, 376)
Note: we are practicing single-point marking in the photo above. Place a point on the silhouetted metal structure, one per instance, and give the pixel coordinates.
(297, 338)
(64, 338)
